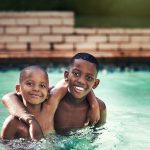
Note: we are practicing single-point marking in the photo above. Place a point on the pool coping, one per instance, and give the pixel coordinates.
(19, 54)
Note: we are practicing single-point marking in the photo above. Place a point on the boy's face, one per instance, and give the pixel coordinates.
(34, 86)
(81, 78)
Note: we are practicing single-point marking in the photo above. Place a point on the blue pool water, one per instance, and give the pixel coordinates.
(127, 97)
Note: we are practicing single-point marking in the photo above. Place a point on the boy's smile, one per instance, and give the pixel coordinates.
(79, 89)
(35, 95)
(33, 88)
(81, 78)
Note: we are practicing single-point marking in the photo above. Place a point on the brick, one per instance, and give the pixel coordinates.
(85, 31)
(96, 38)
(68, 21)
(28, 38)
(110, 31)
(51, 21)
(7, 21)
(62, 14)
(74, 38)
(7, 39)
(27, 21)
(16, 46)
(140, 38)
(137, 31)
(145, 31)
(85, 46)
(37, 14)
(117, 38)
(130, 46)
(62, 30)
(16, 30)
(108, 46)
(145, 46)
(39, 30)
(2, 46)
(40, 46)
(1, 30)
(65, 46)
(52, 38)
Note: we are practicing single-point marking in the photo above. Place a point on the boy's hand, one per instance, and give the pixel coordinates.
(93, 115)
(35, 130)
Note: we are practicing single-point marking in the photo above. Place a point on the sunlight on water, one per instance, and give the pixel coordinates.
(127, 98)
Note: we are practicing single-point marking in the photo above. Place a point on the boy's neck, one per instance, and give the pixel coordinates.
(73, 100)
(33, 108)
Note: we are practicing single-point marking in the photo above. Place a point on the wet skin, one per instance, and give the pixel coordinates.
(33, 88)
(81, 78)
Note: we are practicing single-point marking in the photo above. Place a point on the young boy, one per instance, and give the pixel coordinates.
(33, 87)
(82, 78)
(74, 107)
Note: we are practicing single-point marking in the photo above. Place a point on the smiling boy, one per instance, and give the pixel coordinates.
(73, 108)
(33, 88)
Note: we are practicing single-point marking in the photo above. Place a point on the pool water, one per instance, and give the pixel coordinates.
(127, 97)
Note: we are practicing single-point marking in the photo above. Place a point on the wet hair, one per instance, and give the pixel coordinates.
(85, 56)
(33, 67)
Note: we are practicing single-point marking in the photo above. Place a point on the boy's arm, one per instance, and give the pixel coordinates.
(13, 103)
(9, 128)
(12, 127)
(103, 113)
(56, 95)
(94, 113)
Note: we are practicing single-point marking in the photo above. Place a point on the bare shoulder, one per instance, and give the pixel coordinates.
(9, 128)
(101, 104)
(103, 112)
(14, 128)
(11, 122)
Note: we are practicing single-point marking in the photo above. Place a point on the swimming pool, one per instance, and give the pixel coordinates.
(127, 97)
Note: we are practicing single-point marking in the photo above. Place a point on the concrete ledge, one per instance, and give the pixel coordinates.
(68, 54)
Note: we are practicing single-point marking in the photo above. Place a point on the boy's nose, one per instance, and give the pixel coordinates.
(81, 80)
(36, 87)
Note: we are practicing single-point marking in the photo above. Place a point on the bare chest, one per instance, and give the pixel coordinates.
(46, 122)
(70, 116)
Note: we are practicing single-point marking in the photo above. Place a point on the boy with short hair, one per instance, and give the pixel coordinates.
(33, 88)
(73, 108)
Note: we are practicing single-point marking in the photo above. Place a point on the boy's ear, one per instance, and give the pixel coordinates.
(97, 81)
(18, 89)
(66, 73)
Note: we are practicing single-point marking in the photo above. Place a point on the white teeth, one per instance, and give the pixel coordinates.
(79, 88)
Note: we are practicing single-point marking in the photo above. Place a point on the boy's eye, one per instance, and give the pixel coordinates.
(43, 86)
(89, 78)
(76, 74)
(29, 83)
